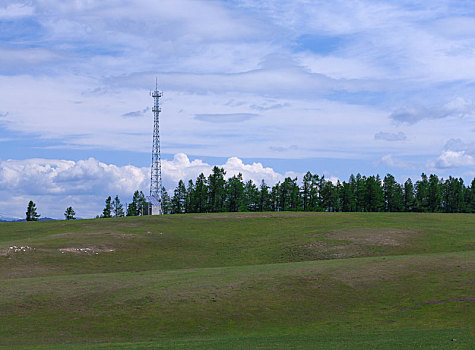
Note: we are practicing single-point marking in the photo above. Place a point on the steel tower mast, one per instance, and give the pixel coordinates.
(156, 169)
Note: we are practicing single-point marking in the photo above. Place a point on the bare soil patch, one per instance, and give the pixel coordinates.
(16, 250)
(375, 236)
(86, 250)
(95, 233)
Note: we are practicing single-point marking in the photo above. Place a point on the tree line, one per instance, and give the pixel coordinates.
(316, 193)
(215, 193)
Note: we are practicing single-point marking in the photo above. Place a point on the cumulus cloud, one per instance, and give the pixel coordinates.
(388, 136)
(456, 154)
(56, 184)
(60, 177)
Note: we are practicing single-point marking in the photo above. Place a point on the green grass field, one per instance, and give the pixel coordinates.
(240, 281)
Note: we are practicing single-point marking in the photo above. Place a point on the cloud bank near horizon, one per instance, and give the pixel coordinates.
(84, 184)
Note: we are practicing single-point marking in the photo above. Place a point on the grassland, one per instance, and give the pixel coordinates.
(240, 281)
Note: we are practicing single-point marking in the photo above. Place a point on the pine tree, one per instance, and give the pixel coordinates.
(265, 203)
(133, 207)
(178, 201)
(275, 197)
(234, 189)
(251, 197)
(433, 194)
(409, 199)
(190, 200)
(306, 191)
(31, 214)
(166, 202)
(374, 194)
(217, 191)
(107, 212)
(422, 194)
(201, 194)
(117, 207)
(472, 197)
(69, 213)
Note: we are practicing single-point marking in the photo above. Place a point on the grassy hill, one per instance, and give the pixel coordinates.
(232, 281)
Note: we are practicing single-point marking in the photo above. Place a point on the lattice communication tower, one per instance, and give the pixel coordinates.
(156, 169)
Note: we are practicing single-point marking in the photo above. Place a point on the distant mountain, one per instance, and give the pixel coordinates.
(9, 219)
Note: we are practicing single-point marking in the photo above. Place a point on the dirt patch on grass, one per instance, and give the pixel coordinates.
(16, 250)
(375, 236)
(91, 250)
(95, 233)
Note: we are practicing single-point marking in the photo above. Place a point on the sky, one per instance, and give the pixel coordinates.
(269, 88)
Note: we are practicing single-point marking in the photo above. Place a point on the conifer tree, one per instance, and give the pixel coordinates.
(234, 190)
(107, 212)
(264, 197)
(117, 207)
(216, 190)
(69, 213)
(178, 201)
(166, 202)
(31, 214)
(409, 199)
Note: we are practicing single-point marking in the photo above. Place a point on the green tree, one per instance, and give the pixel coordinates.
(138, 206)
(117, 207)
(107, 212)
(200, 194)
(409, 198)
(361, 193)
(307, 191)
(189, 203)
(453, 200)
(434, 194)
(472, 197)
(217, 191)
(234, 190)
(374, 199)
(251, 197)
(31, 214)
(422, 194)
(166, 202)
(178, 201)
(265, 203)
(328, 196)
(69, 213)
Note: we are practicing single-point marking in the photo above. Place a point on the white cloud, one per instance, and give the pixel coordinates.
(15, 10)
(452, 159)
(56, 184)
(456, 154)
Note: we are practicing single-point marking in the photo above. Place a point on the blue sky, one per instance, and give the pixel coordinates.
(268, 88)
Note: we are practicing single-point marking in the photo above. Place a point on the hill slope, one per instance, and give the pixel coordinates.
(296, 280)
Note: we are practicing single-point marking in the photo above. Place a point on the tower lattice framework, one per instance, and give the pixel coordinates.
(156, 169)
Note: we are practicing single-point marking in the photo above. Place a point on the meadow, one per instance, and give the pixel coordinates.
(239, 281)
